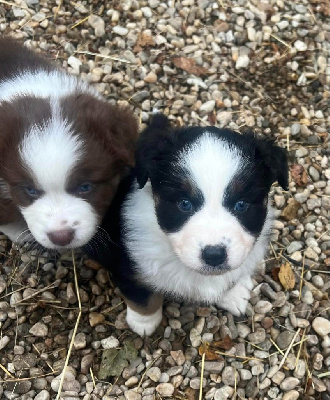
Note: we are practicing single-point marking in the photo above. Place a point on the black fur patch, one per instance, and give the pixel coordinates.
(169, 192)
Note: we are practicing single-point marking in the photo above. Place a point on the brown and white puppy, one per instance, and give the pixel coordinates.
(63, 151)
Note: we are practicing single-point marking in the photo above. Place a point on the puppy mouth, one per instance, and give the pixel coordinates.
(217, 270)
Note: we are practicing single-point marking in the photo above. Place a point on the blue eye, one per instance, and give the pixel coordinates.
(85, 188)
(32, 192)
(241, 206)
(185, 205)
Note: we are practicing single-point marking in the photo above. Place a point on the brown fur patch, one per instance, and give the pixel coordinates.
(109, 134)
(15, 119)
(15, 57)
(154, 303)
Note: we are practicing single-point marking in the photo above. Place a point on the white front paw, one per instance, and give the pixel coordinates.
(143, 325)
(236, 299)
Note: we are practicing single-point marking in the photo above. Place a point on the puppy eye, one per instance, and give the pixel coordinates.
(32, 192)
(85, 188)
(241, 206)
(185, 205)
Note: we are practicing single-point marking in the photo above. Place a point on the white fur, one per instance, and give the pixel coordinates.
(50, 153)
(211, 165)
(170, 263)
(143, 325)
(43, 84)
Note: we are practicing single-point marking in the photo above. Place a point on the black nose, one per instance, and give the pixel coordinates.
(214, 255)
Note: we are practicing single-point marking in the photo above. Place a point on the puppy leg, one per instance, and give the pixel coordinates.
(236, 299)
(144, 319)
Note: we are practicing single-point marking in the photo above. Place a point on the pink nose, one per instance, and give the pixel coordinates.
(62, 237)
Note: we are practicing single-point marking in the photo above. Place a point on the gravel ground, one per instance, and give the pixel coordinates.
(239, 64)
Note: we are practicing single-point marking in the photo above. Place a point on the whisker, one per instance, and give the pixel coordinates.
(22, 233)
(101, 231)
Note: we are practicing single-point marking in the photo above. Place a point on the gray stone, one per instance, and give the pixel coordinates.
(178, 357)
(314, 203)
(263, 307)
(19, 387)
(79, 341)
(195, 383)
(279, 201)
(284, 339)
(300, 46)
(39, 329)
(214, 367)
(228, 376)
(224, 393)
(291, 395)
(243, 61)
(75, 64)
(120, 30)
(165, 389)
(245, 374)
(4, 341)
(321, 326)
(195, 337)
(3, 284)
(258, 336)
(43, 395)
(289, 383)
(300, 370)
(98, 24)
(224, 117)
(175, 370)
(208, 106)
(252, 389)
(295, 129)
(258, 369)
(278, 377)
(132, 395)
(294, 246)
(301, 151)
(314, 173)
(110, 342)
(319, 385)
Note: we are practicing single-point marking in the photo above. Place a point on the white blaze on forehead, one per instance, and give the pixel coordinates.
(43, 84)
(211, 164)
(50, 152)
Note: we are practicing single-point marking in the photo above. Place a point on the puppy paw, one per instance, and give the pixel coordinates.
(236, 299)
(143, 325)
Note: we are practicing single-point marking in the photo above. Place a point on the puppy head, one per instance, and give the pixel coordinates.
(210, 189)
(62, 162)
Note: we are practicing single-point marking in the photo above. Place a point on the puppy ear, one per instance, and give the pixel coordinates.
(150, 143)
(122, 133)
(114, 127)
(275, 158)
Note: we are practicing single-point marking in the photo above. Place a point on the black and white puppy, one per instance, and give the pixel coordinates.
(193, 220)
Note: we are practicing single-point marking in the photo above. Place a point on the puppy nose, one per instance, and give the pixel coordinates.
(62, 237)
(214, 255)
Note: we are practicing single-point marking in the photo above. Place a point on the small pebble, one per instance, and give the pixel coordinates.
(321, 326)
